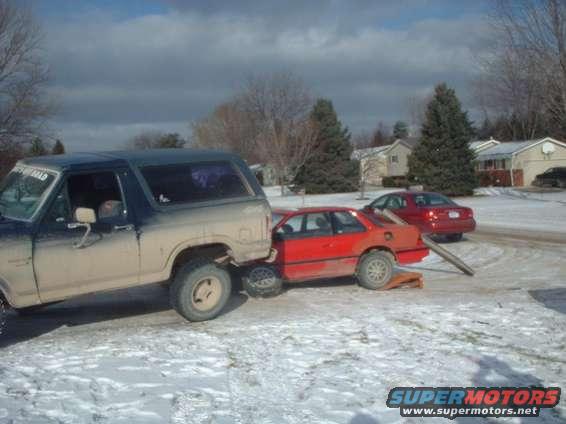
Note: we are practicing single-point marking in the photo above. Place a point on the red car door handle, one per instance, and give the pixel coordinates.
(327, 245)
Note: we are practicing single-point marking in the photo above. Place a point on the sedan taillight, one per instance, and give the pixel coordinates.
(430, 215)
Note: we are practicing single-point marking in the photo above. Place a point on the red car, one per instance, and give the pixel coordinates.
(433, 213)
(314, 243)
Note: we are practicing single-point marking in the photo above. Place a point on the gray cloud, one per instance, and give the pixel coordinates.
(115, 77)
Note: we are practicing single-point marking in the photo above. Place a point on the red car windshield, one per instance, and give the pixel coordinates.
(276, 219)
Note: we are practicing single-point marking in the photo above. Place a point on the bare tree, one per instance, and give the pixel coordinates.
(381, 135)
(24, 106)
(362, 140)
(155, 140)
(228, 128)
(416, 107)
(279, 107)
(524, 76)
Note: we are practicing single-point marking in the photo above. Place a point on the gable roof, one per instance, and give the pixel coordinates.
(508, 149)
(370, 151)
(410, 142)
(478, 145)
(359, 154)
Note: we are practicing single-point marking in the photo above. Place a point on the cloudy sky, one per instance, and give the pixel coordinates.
(122, 67)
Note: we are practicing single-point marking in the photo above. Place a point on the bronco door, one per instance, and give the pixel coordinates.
(110, 257)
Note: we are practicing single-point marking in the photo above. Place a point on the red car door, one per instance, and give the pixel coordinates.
(350, 240)
(305, 247)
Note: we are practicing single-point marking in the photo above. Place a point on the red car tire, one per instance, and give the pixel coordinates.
(262, 281)
(375, 269)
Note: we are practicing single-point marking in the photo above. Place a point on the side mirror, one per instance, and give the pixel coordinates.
(85, 217)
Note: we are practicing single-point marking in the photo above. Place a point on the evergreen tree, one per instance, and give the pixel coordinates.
(329, 169)
(400, 130)
(58, 148)
(37, 148)
(443, 160)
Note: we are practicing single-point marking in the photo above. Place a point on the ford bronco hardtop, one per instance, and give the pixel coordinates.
(90, 222)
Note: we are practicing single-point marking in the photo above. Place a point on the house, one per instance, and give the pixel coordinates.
(384, 161)
(517, 163)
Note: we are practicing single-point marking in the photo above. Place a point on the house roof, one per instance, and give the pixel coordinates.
(358, 154)
(478, 144)
(370, 151)
(410, 142)
(508, 149)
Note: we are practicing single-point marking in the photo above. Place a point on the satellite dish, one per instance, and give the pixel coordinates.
(548, 148)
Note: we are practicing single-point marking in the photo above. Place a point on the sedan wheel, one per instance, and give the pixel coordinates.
(262, 281)
(375, 270)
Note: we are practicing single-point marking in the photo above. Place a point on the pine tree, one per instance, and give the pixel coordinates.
(400, 130)
(329, 169)
(37, 148)
(58, 148)
(443, 160)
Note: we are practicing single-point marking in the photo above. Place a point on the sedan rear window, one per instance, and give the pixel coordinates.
(431, 199)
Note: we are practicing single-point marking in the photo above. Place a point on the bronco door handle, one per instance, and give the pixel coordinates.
(128, 227)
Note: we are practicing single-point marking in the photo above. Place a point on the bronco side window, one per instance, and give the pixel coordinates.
(98, 191)
(194, 182)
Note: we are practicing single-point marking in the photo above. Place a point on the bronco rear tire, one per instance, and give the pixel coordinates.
(375, 269)
(262, 281)
(200, 290)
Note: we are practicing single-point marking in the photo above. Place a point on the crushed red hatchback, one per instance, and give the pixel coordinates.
(316, 243)
(433, 213)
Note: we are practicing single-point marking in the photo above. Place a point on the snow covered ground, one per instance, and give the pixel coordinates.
(324, 352)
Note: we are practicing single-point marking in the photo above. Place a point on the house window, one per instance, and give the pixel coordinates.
(394, 159)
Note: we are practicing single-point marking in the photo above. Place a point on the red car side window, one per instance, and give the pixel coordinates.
(317, 224)
(346, 223)
(308, 225)
(396, 202)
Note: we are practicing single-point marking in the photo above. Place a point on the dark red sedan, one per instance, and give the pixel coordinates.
(433, 213)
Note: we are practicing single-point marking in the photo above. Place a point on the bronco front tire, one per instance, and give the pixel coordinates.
(375, 269)
(262, 281)
(200, 290)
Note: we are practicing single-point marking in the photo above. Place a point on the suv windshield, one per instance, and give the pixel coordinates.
(22, 190)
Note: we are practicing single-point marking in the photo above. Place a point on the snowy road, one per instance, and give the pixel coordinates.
(326, 352)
